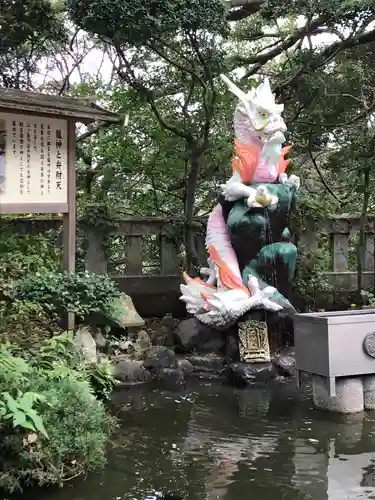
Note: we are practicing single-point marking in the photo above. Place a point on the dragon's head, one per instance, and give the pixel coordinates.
(258, 116)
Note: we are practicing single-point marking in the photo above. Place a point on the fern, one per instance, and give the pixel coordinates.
(61, 348)
(21, 412)
(102, 379)
(10, 364)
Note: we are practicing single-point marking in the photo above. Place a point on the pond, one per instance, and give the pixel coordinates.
(209, 442)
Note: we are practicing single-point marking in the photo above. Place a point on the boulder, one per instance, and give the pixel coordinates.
(170, 377)
(143, 342)
(168, 321)
(126, 315)
(160, 335)
(232, 350)
(86, 344)
(100, 341)
(240, 374)
(130, 371)
(192, 336)
(158, 357)
(285, 365)
(162, 331)
(185, 366)
(207, 364)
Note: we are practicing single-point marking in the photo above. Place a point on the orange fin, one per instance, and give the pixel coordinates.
(186, 277)
(245, 161)
(283, 163)
(226, 276)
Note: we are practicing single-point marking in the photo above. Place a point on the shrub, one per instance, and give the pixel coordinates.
(52, 427)
(80, 293)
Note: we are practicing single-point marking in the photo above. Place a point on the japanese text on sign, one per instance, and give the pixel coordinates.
(35, 160)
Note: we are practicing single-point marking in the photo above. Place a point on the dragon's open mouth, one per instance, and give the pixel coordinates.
(274, 136)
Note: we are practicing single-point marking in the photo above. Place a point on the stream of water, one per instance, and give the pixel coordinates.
(209, 442)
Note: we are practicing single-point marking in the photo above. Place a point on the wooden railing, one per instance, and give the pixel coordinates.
(149, 256)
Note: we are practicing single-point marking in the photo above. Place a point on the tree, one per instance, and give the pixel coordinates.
(30, 30)
(171, 46)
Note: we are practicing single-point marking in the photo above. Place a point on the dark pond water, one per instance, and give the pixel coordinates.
(212, 442)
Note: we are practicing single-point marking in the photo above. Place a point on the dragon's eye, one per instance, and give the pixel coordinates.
(263, 115)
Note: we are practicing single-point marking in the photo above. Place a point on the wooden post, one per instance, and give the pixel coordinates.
(69, 221)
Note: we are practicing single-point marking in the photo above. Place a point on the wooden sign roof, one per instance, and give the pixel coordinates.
(81, 110)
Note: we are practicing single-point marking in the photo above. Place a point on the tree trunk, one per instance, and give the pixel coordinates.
(192, 258)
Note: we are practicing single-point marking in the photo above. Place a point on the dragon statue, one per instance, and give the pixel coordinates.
(251, 260)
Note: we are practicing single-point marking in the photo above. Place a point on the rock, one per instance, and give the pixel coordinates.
(158, 357)
(160, 335)
(142, 344)
(207, 364)
(126, 346)
(143, 341)
(87, 345)
(195, 337)
(185, 366)
(168, 321)
(101, 357)
(127, 315)
(232, 350)
(100, 341)
(285, 365)
(241, 374)
(130, 371)
(171, 377)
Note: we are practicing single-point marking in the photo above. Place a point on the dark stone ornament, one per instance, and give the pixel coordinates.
(369, 344)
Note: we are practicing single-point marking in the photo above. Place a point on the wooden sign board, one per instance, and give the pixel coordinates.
(33, 164)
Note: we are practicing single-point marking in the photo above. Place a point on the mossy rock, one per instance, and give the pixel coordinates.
(124, 313)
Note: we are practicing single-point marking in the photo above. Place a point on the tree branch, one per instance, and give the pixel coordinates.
(94, 130)
(241, 9)
(148, 95)
(327, 54)
(261, 59)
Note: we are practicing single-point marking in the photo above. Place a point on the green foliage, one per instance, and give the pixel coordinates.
(21, 412)
(101, 217)
(52, 427)
(29, 31)
(59, 350)
(80, 293)
(310, 283)
(102, 379)
(24, 254)
(136, 22)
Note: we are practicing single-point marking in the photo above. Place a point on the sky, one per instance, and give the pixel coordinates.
(93, 61)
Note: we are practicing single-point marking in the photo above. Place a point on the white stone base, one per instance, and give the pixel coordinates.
(369, 392)
(349, 396)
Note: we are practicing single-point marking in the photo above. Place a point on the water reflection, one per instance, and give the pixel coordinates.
(211, 442)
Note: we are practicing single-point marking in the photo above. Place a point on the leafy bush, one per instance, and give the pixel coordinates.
(52, 427)
(80, 293)
(310, 283)
(23, 254)
(25, 323)
(102, 379)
